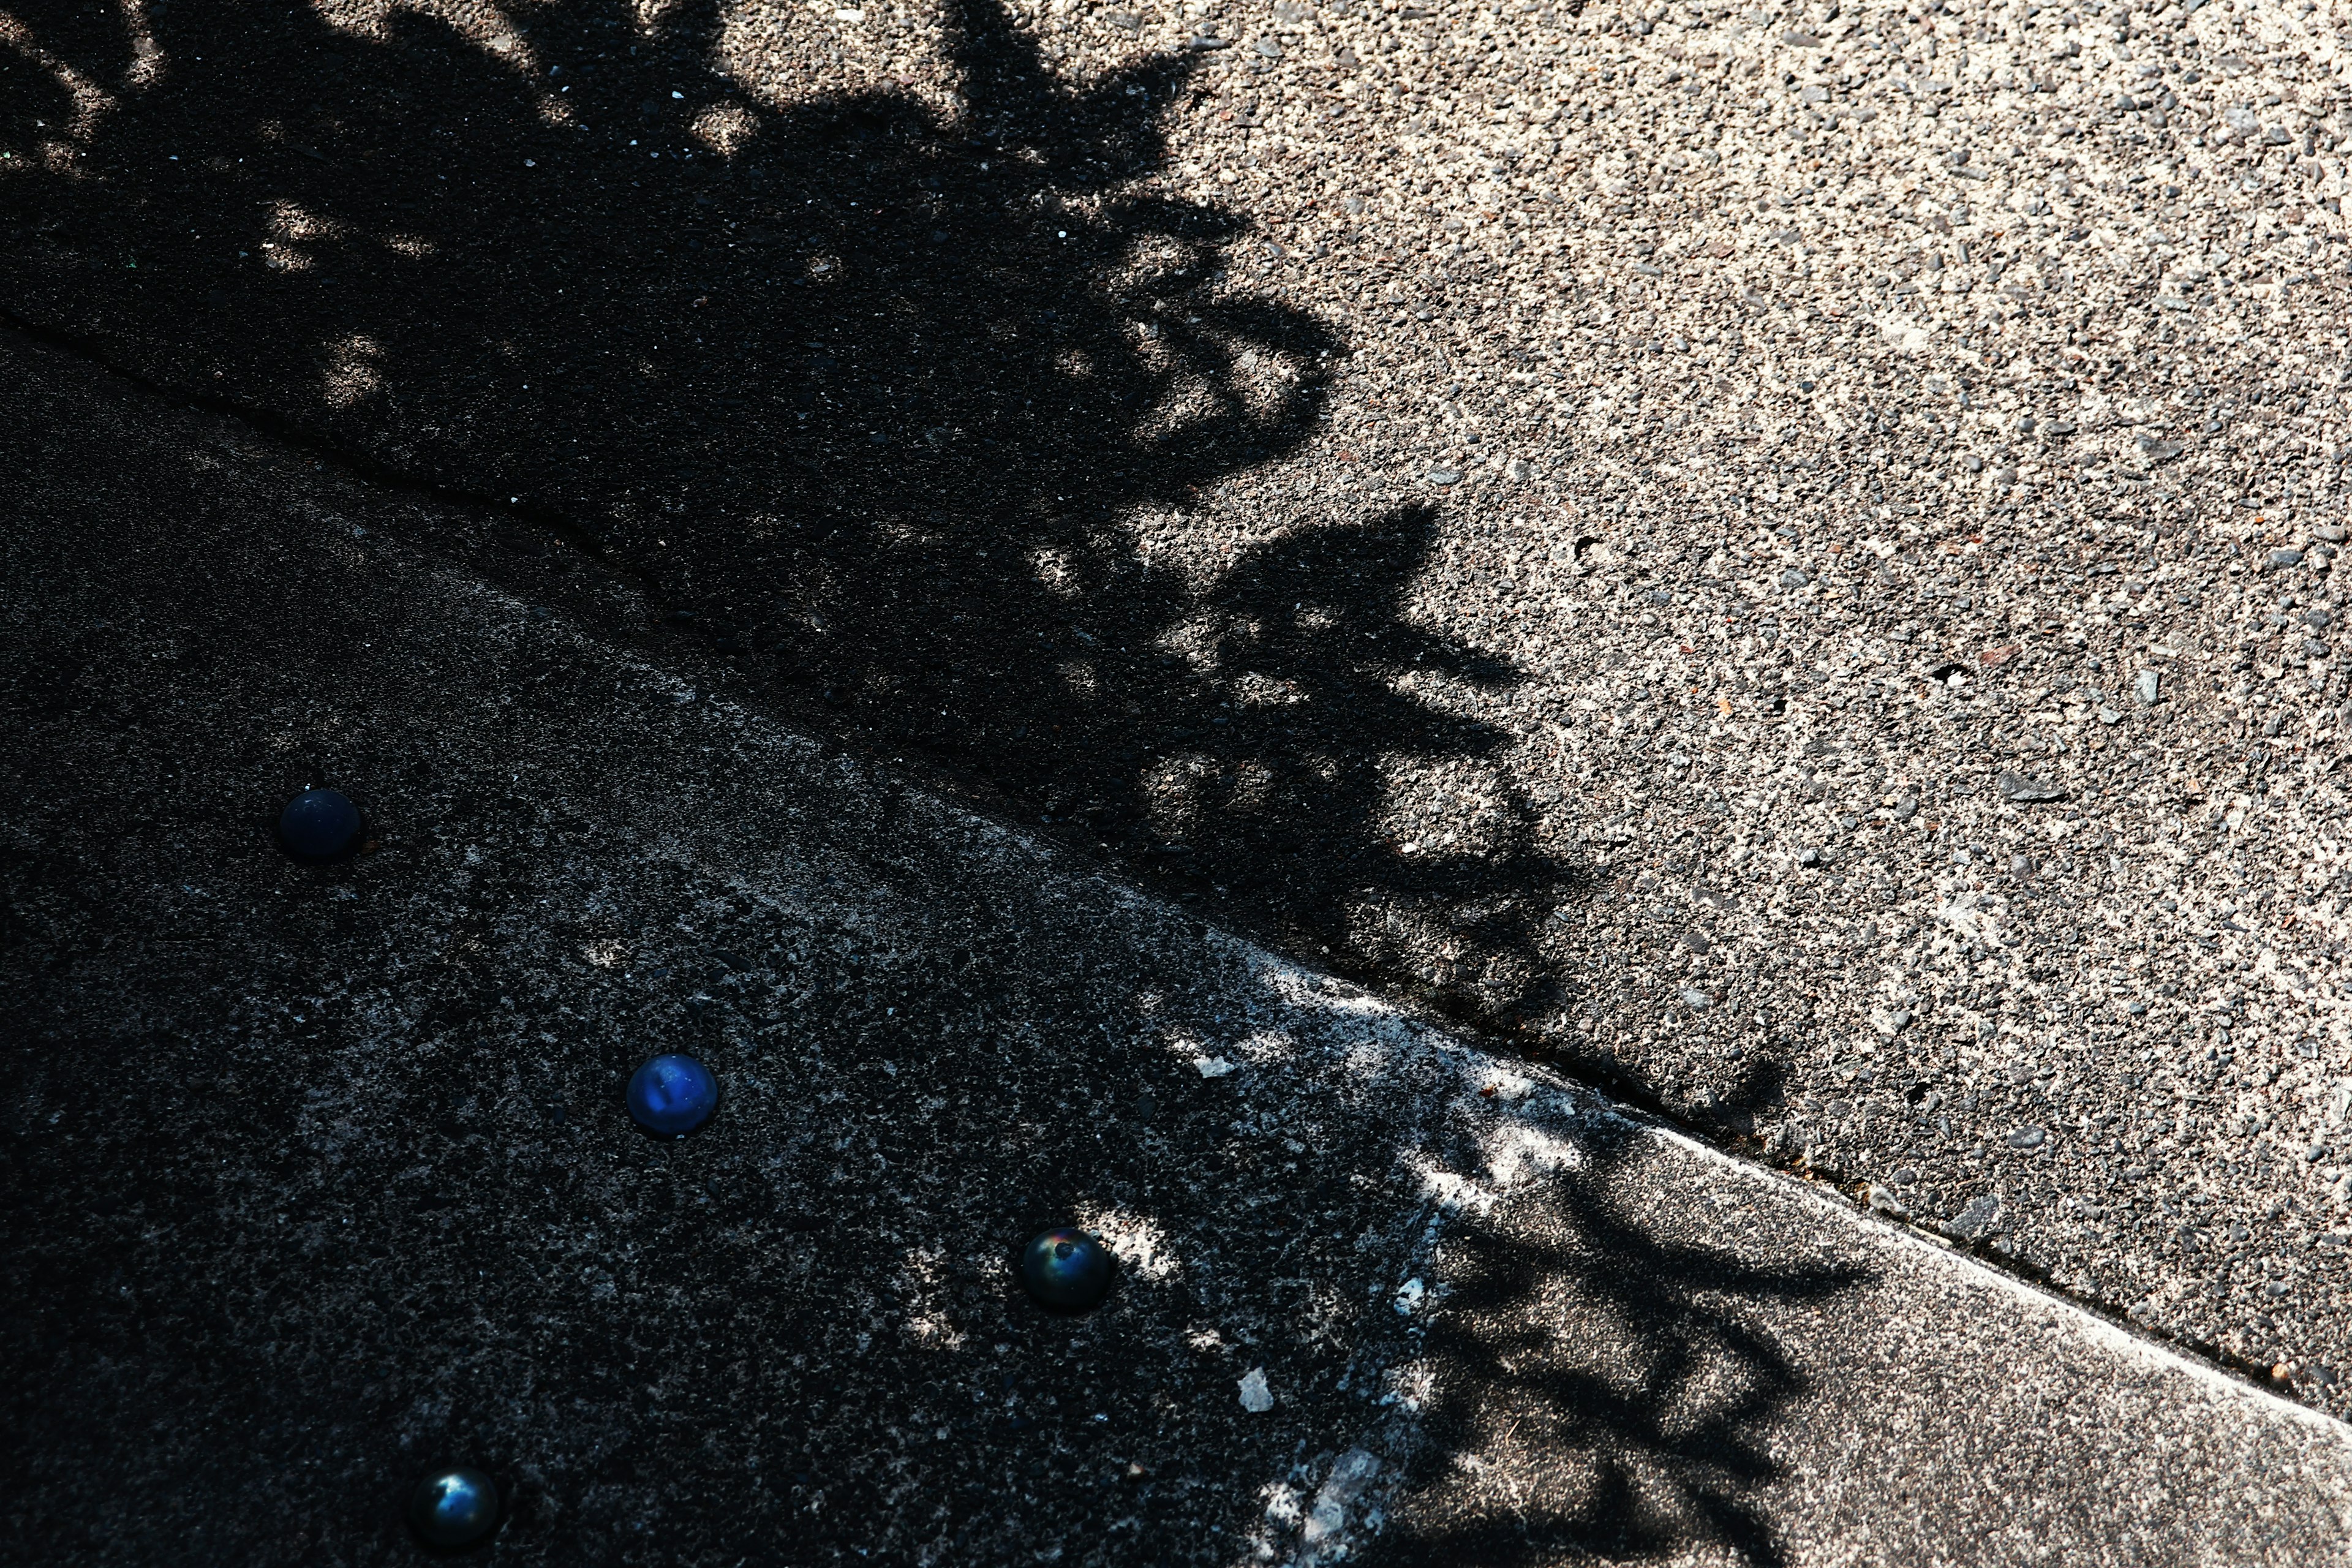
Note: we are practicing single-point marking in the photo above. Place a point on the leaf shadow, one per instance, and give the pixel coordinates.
(901, 407)
(1608, 1386)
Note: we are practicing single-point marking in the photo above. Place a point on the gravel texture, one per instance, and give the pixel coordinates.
(1782, 560)
(1628, 1369)
(318, 1178)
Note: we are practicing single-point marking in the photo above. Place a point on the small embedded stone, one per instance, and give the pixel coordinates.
(2020, 787)
(1977, 1221)
(1256, 1397)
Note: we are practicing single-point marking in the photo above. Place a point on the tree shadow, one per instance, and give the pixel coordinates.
(1605, 1388)
(904, 415)
(907, 417)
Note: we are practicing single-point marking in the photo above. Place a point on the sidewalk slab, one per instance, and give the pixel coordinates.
(318, 1177)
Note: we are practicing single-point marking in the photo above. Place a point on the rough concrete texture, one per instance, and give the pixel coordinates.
(319, 1177)
(1651, 529)
(1659, 1356)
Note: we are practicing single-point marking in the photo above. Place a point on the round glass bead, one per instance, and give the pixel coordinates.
(319, 826)
(1065, 1270)
(672, 1095)
(454, 1508)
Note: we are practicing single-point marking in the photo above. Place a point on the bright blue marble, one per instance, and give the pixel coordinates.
(453, 1509)
(1065, 1270)
(319, 826)
(672, 1095)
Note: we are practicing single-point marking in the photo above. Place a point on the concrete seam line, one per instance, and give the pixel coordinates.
(2148, 1351)
(1471, 1065)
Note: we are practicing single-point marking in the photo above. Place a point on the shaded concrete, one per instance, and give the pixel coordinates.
(318, 1177)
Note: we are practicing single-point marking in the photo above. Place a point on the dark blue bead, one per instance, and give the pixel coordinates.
(672, 1095)
(454, 1508)
(319, 826)
(1065, 1270)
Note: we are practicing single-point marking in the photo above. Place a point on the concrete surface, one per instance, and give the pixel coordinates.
(317, 1177)
(1565, 515)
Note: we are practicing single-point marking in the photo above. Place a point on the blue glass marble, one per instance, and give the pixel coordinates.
(454, 1508)
(1065, 1270)
(671, 1096)
(319, 826)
